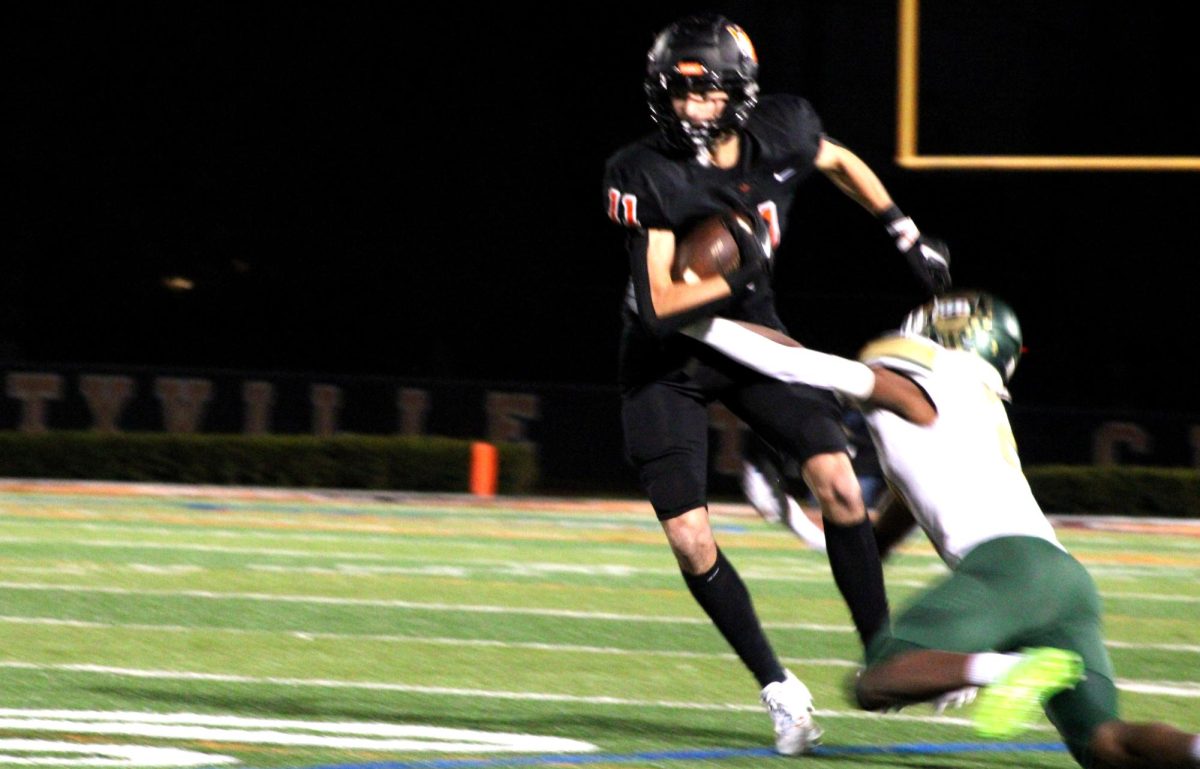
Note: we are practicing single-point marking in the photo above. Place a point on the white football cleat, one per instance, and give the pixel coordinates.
(790, 705)
(764, 493)
(802, 527)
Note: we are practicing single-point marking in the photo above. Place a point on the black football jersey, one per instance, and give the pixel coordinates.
(651, 185)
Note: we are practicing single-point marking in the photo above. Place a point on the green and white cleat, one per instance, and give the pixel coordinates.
(1008, 706)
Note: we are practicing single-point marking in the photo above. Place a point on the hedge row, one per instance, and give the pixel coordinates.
(413, 463)
(422, 463)
(1165, 492)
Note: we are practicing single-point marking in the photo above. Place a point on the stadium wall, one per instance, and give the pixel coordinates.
(573, 431)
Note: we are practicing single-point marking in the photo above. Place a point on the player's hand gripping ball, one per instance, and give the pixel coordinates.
(708, 249)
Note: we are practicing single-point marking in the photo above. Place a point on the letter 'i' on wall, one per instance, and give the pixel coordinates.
(183, 402)
(508, 414)
(413, 405)
(106, 398)
(729, 439)
(326, 402)
(33, 390)
(259, 400)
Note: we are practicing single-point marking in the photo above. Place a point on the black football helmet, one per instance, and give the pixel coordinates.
(973, 321)
(694, 55)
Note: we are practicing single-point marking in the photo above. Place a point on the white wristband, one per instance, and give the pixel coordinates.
(904, 231)
(787, 364)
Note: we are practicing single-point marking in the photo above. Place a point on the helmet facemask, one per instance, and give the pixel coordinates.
(972, 321)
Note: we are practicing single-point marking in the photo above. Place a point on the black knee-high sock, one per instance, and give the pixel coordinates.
(858, 572)
(723, 596)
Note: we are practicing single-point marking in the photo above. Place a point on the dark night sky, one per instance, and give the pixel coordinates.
(355, 190)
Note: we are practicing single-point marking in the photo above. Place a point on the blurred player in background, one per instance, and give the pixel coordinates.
(771, 482)
(1019, 616)
(720, 147)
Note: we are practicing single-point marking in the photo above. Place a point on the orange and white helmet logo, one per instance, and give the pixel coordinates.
(743, 41)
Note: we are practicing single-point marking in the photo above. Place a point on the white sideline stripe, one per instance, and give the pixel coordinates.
(533, 570)
(447, 570)
(1168, 688)
(452, 691)
(404, 739)
(1154, 597)
(307, 635)
(790, 573)
(269, 728)
(1154, 647)
(357, 535)
(416, 507)
(782, 573)
(397, 604)
(94, 754)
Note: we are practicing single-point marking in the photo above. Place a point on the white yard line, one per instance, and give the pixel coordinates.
(135, 545)
(1153, 597)
(1192, 648)
(308, 635)
(25, 752)
(175, 675)
(1167, 688)
(540, 570)
(786, 571)
(397, 604)
(1189, 689)
(253, 731)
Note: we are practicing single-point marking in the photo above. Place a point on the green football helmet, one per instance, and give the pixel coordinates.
(974, 321)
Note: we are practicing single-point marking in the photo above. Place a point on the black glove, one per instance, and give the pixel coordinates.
(753, 238)
(929, 258)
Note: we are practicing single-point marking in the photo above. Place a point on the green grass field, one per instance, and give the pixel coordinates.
(153, 626)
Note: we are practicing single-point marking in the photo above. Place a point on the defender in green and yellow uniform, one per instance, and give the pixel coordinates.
(1019, 617)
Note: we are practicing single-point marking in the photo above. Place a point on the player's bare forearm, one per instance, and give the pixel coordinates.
(676, 298)
(671, 298)
(664, 307)
(899, 394)
(853, 177)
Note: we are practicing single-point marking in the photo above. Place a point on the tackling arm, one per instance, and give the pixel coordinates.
(782, 358)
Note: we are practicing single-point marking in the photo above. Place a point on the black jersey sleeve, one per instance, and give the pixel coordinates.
(788, 127)
(632, 197)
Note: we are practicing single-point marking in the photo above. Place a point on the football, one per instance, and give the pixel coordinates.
(707, 249)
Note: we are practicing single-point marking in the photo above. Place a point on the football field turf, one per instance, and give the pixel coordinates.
(168, 626)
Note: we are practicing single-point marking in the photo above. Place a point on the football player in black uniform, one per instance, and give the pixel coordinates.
(722, 148)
